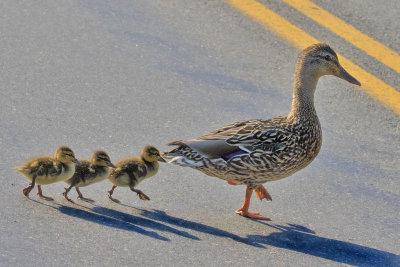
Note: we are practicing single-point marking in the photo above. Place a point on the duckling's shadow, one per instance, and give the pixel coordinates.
(125, 221)
(98, 218)
(155, 217)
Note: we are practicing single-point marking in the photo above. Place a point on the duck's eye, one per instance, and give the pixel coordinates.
(328, 57)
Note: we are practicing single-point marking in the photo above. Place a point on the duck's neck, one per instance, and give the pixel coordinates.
(303, 95)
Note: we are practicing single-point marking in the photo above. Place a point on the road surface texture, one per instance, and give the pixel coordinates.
(117, 75)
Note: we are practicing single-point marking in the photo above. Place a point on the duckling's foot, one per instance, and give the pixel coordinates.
(27, 190)
(262, 193)
(67, 198)
(86, 199)
(252, 215)
(141, 195)
(113, 199)
(65, 194)
(42, 196)
(80, 196)
(110, 194)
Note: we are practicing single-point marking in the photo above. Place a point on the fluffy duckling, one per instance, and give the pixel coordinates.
(47, 170)
(131, 171)
(88, 172)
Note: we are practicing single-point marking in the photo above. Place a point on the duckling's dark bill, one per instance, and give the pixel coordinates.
(346, 76)
(110, 164)
(161, 160)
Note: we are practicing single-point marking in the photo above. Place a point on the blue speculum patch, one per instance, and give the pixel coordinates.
(236, 153)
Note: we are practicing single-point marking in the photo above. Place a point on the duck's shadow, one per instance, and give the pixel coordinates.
(300, 239)
(292, 237)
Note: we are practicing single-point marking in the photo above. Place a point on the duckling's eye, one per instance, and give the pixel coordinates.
(327, 57)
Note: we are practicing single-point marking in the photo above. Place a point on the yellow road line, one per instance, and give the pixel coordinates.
(300, 39)
(372, 47)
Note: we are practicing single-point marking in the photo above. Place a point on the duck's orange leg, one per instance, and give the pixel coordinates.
(244, 210)
(231, 183)
(262, 192)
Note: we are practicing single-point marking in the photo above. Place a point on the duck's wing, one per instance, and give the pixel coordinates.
(245, 127)
(234, 139)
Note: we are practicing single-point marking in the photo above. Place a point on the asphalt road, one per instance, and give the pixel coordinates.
(117, 75)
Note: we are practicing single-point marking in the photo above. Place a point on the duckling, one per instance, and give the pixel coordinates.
(131, 171)
(47, 170)
(89, 172)
(253, 152)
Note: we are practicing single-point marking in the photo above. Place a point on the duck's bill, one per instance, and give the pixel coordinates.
(161, 159)
(112, 165)
(346, 76)
(76, 161)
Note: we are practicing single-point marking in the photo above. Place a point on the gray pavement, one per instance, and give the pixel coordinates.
(117, 75)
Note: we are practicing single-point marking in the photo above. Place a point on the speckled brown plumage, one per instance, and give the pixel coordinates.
(253, 152)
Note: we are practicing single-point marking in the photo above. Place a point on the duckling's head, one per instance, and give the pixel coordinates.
(65, 154)
(319, 60)
(101, 158)
(151, 154)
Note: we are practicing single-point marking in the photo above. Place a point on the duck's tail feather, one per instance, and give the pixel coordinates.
(183, 155)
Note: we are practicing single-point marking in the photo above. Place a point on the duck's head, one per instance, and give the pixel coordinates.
(320, 59)
(65, 154)
(151, 154)
(101, 158)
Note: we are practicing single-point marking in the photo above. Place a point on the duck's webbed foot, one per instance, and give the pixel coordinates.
(141, 195)
(262, 193)
(42, 196)
(244, 210)
(252, 215)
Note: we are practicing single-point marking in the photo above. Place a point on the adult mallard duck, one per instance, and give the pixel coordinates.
(47, 170)
(253, 152)
(88, 172)
(131, 171)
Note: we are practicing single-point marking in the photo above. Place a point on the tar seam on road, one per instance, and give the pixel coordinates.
(370, 46)
(300, 39)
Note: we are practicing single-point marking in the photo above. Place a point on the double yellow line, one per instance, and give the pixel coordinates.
(300, 39)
